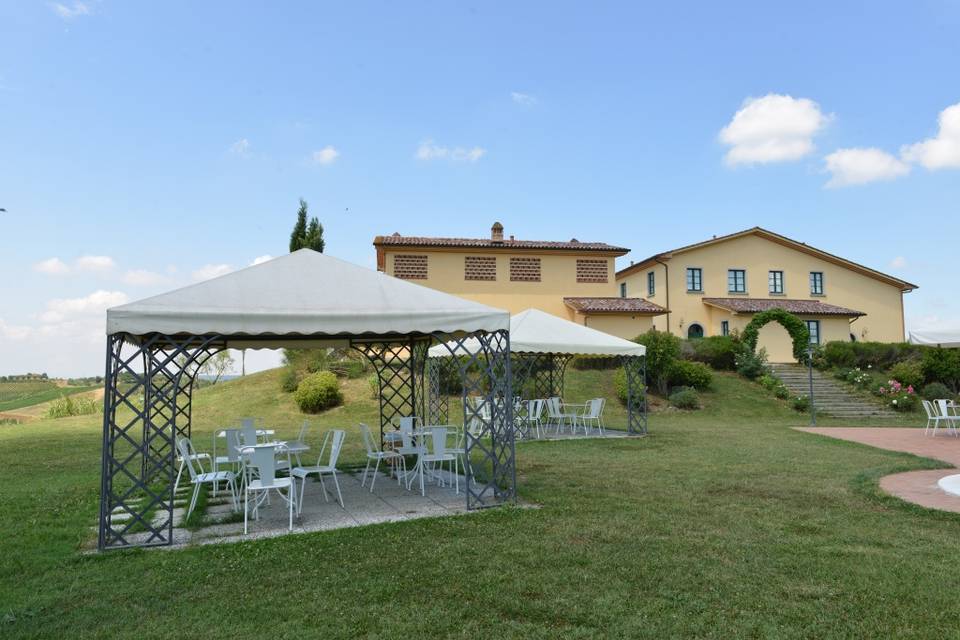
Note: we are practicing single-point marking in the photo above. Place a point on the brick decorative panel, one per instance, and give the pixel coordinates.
(410, 267)
(479, 268)
(592, 270)
(525, 269)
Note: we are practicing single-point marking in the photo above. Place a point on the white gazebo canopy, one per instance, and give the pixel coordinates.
(535, 331)
(305, 294)
(946, 339)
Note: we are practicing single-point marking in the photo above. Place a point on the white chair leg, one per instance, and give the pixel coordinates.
(246, 509)
(376, 470)
(291, 498)
(363, 480)
(336, 483)
(176, 482)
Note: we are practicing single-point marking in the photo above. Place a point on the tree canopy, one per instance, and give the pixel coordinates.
(306, 234)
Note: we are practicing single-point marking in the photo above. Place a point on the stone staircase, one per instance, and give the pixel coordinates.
(830, 396)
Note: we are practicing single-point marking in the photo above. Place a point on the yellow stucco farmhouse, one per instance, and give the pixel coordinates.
(716, 286)
(570, 279)
(709, 288)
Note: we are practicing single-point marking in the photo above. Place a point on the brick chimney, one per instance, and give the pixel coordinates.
(496, 232)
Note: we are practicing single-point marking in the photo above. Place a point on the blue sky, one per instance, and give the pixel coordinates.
(143, 146)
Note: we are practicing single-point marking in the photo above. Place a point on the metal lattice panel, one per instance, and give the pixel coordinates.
(487, 416)
(438, 409)
(400, 367)
(140, 427)
(539, 375)
(636, 373)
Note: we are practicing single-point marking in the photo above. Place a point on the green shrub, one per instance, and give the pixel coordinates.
(781, 392)
(374, 383)
(752, 364)
(685, 398)
(840, 354)
(942, 365)
(801, 404)
(289, 379)
(908, 372)
(317, 392)
(684, 373)
(720, 352)
(767, 381)
(68, 406)
(663, 349)
(936, 391)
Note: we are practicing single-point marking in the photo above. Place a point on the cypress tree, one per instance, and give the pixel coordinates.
(299, 233)
(314, 238)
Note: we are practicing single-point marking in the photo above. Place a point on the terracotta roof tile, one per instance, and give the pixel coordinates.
(803, 307)
(613, 305)
(487, 243)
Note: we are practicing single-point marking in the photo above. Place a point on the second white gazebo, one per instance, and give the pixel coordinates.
(541, 346)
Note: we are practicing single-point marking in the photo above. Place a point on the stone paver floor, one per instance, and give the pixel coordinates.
(919, 487)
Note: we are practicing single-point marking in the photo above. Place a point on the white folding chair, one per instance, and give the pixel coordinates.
(946, 415)
(374, 452)
(593, 412)
(199, 477)
(182, 462)
(299, 445)
(933, 417)
(433, 453)
(534, 416)
(333, 439)
(262, 458)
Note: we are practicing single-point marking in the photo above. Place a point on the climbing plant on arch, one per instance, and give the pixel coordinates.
(796, 327)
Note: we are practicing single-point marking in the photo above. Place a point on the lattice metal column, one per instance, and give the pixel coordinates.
(438, 405)
(400, 370)
(635, 368)
(487, 416)
(139, 439)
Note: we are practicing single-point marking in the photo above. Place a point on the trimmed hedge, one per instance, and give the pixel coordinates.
(720, 352)
(317, 392)
(685, 398)
(684, 373)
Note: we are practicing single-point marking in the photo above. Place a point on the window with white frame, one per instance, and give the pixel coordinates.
(737, 281)
(694, 279)
(813, 326)
(623, 289)
(724, 327)
(776, 282)
(651, 283)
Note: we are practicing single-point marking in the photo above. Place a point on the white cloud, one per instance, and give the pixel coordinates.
(52, 266)
(208, 271)
(241, 147)
(61, 309)
(14, 332)
(95, 263)
(142, 277)
(898, 263)
(261, 259)
(74, 10)
(943, 151)
(774, 128)
(326, 156)
(430, 151)
(524, 99)
(860, 166)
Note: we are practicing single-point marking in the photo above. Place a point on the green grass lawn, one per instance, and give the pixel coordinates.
(722, 523)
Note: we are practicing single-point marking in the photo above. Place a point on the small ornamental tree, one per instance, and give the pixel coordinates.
(306, 235)
(796, 327)
(663, 349)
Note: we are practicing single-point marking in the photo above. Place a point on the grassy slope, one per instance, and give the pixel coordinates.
(36, 396)
(722, 523)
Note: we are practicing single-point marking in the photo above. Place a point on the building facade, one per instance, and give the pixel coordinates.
(715, 287)
(572, 279)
